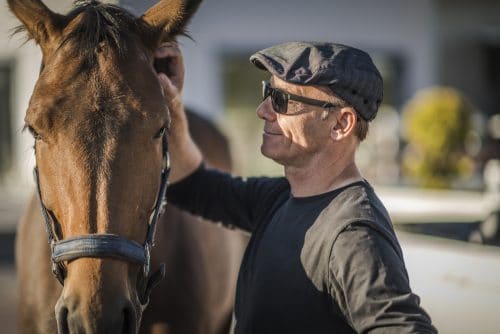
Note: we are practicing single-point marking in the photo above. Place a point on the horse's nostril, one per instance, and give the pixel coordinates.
(62, 320)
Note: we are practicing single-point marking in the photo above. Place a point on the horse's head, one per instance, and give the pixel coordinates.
(98, 117)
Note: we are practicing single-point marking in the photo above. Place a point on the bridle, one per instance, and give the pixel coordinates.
(110, 245)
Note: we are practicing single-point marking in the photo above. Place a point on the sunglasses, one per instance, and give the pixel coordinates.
(279, 99)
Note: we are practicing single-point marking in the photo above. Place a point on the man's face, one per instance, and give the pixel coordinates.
(292, 139)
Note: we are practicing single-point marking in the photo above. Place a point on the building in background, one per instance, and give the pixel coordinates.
(19, 67)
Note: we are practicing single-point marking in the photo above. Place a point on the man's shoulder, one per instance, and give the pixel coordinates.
(356, 204)
(353, 205)
(359, 208)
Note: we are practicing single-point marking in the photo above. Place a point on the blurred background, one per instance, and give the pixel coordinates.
(432, 153)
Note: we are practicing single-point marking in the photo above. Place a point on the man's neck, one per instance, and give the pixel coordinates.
(322, 175)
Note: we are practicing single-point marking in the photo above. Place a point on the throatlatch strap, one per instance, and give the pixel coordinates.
(46, 216)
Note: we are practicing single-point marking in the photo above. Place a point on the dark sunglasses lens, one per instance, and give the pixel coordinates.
(265, 90)
(279, 101)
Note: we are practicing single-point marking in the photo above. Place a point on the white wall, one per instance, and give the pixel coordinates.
(404, 27)
(25, 59)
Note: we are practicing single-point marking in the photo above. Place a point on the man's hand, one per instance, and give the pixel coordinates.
(169, 61)
(186, 156)
(170, 67)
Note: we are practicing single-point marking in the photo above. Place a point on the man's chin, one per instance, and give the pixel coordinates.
(270, 153)
(266, 151)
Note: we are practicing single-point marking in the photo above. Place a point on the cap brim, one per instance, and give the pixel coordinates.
(265, 63)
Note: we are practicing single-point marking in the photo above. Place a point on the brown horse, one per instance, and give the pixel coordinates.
(98, 118)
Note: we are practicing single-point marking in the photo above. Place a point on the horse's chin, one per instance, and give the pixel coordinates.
(97, 308)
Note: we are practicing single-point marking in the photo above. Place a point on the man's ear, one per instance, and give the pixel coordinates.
(345, 124)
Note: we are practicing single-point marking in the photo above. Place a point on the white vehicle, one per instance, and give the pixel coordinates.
(451, 245)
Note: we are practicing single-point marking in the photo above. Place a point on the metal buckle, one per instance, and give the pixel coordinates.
(55, 269)
(166, 161)
(163, 206)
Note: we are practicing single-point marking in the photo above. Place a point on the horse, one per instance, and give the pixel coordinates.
(84, 254)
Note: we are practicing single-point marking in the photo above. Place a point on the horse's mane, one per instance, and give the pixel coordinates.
(102, 23)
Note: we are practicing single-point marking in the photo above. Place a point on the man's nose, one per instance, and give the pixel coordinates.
(265, 110)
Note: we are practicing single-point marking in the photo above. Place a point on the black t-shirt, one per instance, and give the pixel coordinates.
(329, 263)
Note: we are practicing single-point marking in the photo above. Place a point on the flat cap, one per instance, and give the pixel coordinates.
(347, 71)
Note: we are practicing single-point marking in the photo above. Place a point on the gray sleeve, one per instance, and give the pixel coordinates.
(369, 282)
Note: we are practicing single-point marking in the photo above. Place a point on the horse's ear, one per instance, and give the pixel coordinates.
(41, 23)
(171, 16)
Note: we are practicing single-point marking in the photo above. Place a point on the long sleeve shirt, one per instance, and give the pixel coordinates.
(329, 263)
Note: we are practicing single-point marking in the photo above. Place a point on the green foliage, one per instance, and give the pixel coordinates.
(436, 122)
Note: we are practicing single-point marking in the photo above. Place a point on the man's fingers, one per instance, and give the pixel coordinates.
(164, 80)
(169, 67)
(170, 91)
(166, 84)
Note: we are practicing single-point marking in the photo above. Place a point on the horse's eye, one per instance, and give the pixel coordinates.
(161, 132)
(33, 132)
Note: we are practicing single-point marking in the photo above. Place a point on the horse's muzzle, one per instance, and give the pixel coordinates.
(116, 317)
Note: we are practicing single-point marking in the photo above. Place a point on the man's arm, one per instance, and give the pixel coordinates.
(185, 155)
(370, 284)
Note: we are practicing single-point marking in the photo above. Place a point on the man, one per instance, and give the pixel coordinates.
(323, 256)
